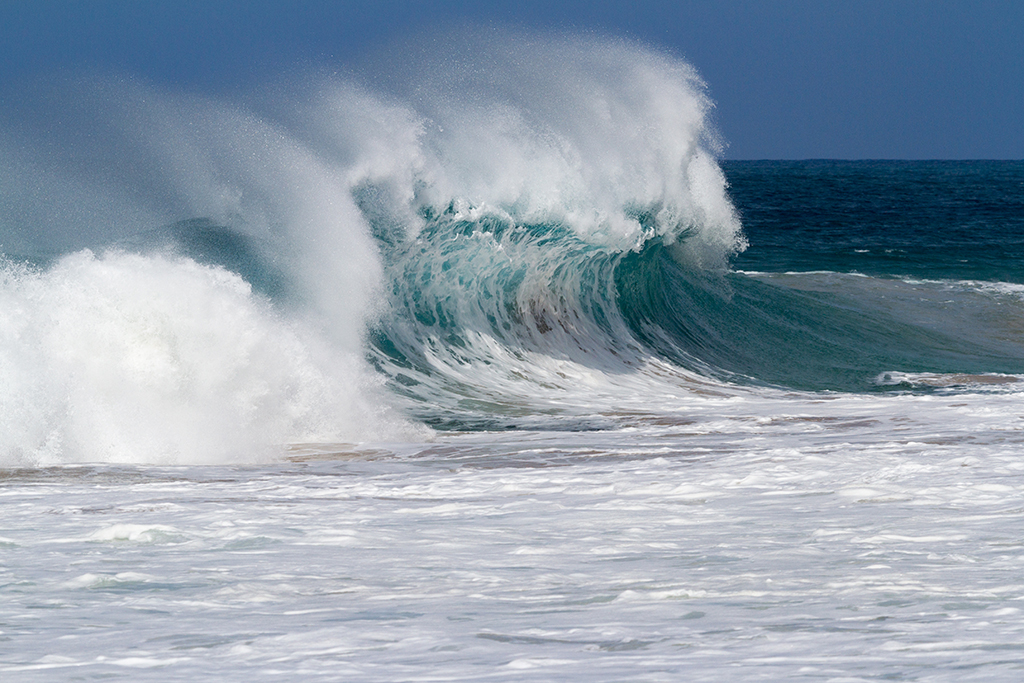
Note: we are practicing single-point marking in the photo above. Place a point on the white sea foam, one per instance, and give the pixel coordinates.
(127, 358)
(751, 536)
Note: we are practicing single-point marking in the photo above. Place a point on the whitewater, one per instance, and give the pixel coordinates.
(479, 364)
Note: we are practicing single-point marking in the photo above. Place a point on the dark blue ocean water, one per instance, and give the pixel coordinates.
(933, 219)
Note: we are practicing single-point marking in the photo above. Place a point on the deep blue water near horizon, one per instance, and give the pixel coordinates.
(936, 219)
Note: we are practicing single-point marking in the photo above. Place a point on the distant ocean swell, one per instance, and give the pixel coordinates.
(524, 233)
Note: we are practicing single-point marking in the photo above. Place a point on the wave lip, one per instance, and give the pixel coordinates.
(607, 137)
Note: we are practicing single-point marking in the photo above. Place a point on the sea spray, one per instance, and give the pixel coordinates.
(130, 358)
(168, 372)
(607, 137)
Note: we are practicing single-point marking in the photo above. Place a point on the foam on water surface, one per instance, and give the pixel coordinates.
(839, 540)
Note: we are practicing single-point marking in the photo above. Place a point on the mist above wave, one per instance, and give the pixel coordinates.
(607, 137)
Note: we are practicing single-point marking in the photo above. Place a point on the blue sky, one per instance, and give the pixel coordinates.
(791, 78)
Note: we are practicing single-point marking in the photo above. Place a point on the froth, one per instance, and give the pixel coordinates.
(128, 358)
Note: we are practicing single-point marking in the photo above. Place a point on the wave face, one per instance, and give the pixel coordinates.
(511, 232)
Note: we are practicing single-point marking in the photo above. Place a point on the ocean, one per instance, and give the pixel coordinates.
(490, 368)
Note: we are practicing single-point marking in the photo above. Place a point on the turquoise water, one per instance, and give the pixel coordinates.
(853, 269)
